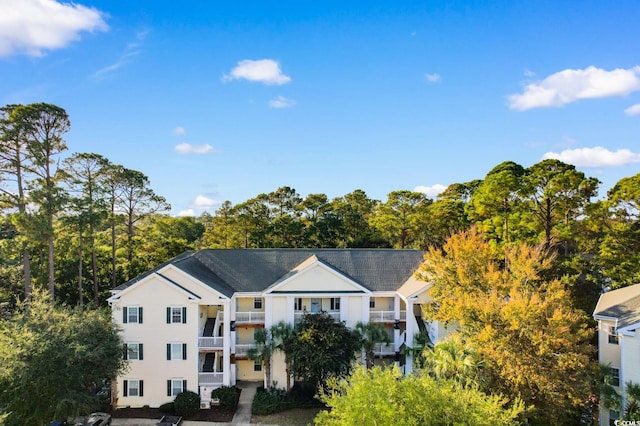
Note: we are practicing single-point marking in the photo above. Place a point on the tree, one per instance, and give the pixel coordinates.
(452, 359)
(53, 360)
(353, 211)
(398, 220)
(370, 334)
(43, 126)
(262, 351)
(532, 343)
(383, 397)
(284, 336)
(322, 348)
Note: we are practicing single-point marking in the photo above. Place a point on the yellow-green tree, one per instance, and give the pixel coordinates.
(532, 343)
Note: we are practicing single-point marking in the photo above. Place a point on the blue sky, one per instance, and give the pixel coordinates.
(219, 101)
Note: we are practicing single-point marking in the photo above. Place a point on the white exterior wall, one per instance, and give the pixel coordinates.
(154, 333)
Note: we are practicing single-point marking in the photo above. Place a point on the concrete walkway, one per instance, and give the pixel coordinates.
(243, 412)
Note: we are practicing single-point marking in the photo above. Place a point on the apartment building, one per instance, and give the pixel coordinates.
(188, 324)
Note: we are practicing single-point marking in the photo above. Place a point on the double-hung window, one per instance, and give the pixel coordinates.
(257, 303)
(335, 303)
(132, 314)
(613, 336)
(176, 386)
(176, 315)
(176, 351)
(372, 303)
(133, 351)
(133, 387)
(615, 377)
(297, 304)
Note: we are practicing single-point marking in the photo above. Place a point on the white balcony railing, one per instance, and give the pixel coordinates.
(297, 316)
(384, 349)
(209, 379)
(242, 349)
(251, 317)
(386, 316)
(211, 343)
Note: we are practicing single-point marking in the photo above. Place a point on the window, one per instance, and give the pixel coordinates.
(297, 304)
(133, 351)
(335, 303)
(133, 388)
(132, 314)
(176, 315)
(257, 303)
(176, 351)
(372, 303)
(257, 366)
(613, 416)
(613, 336)
(176, 386)
(615, 377)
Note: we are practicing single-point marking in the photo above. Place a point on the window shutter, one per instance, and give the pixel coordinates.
(125, 352)
(184, 351)
(140, 351)
(184, 314)
(125, 390)
(168, 315)
(168, 351)
(184, 385)
(140, 315)
(124, 315)
(141, 388)
(169, 388)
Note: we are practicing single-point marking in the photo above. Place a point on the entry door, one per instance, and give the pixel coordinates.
(316, 305)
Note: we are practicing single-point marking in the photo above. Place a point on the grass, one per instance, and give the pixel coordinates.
(295, 416)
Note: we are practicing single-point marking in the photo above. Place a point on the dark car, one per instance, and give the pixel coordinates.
(94, 419)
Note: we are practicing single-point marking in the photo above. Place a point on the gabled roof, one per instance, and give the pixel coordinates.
(253, 270)
(622, 305)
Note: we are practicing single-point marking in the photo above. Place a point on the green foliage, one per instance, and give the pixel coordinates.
(54, 359)
(370, 334)
(269, 402)
(168, 408)
(228, 396)
(383, 397)
(322, 348)
(187, 403)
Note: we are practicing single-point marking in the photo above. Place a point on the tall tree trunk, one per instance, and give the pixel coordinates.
(80, 259)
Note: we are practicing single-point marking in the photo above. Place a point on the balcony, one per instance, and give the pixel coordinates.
(242, 349)
(381, 349)
(210, 379)
(297, 316)
(386, 316)
(210, 343)
(250, 317)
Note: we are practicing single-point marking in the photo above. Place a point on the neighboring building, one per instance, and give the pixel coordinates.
(618, 316)
(188, 324)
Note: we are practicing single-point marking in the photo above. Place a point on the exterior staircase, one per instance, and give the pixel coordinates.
(209, 326)
(209, 361)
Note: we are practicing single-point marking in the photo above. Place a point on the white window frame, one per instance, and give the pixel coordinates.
(335, 303)
(133, 348)
(297, 304)
(613, 338)
(372, 303)
(176, 314)
(174, 388)
(133, 319)
(615, 377)
(130, 388)
(257, 365)
(176, 348)
(257, 303)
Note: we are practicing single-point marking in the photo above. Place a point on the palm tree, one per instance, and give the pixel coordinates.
(283, 335)
(262, 351)
(632, 409)
(369, 335)
(452, 359)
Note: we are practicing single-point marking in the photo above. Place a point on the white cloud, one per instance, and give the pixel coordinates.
(432, 78)
(594, 157)
(265, 71)
(187, 212)
(633, 110)
(186, 148)
(571, 85)
(33, 26)
(281, 102)
(202, 202)
(131, 51)
(431, 191)
(179, 131)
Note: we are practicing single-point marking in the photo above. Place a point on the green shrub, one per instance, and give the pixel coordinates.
(187, 403)
(168, 408)
(270, 402)
(228, 396)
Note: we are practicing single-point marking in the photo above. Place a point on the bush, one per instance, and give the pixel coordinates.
(168, 408)
(187, 403)
(228, 396)
(270, 402)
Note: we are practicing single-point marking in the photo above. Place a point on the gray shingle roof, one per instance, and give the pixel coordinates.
(254, 270)
(622, 304)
